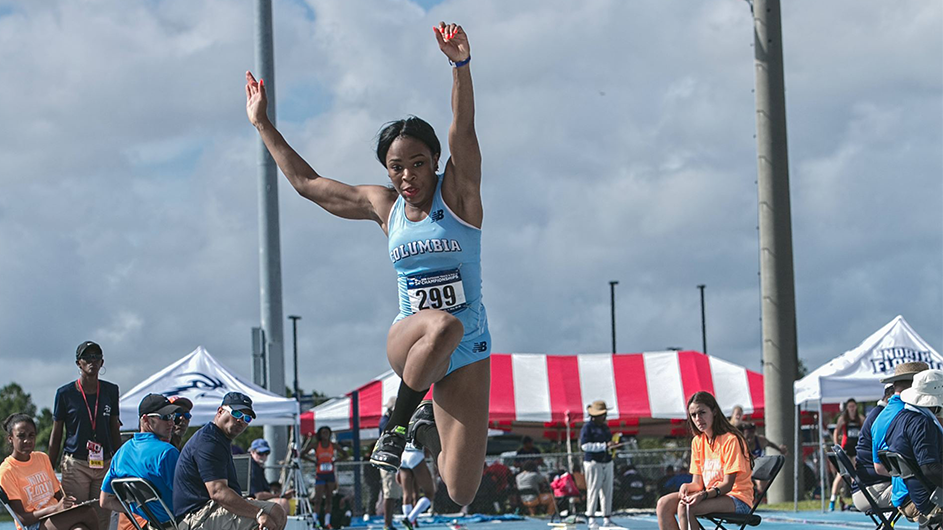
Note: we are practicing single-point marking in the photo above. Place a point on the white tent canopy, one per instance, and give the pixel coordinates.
(202, 379)
(857, 373)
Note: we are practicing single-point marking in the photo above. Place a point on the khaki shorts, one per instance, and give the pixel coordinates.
(391, 489)
(212, 516)
(85, 483)
(911, 512)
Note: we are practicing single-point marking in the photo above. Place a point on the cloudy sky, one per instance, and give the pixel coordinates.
(618, 145)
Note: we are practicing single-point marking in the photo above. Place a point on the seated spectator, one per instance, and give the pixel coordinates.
(720, 464)
(757, 444)
(634, 486)
(206, 489)
(736, 416)
(527, 450)
(29, 481)
(879, 486)
(181, 420)
(148, 455)
(534, 489)
(499, 476)
(259, 488)
(676, 480)
(917, 435)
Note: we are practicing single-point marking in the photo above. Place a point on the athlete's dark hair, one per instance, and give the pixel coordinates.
(412, 127)
(720, 425)
(13, 419)
(324, 428)
(846, 416)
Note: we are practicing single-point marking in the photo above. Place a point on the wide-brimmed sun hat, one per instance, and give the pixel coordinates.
(597, 408)
(904, 371)
(927, 390)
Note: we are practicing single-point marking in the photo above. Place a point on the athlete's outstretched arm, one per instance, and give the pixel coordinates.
(464, 187)
(342, 200)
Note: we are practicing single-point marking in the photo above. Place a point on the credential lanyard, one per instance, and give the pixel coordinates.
(98, 399)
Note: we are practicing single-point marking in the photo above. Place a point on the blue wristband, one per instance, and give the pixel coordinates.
(461, 63)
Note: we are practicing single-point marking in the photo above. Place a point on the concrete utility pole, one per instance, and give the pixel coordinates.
(777, 284)
(270, 261)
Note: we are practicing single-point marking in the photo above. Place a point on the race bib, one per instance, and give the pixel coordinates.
(436, 290)
(853, 432)
(326, 467)
(96, 456)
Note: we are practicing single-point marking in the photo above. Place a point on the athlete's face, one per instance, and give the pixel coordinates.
(412, 167)
(702, 417)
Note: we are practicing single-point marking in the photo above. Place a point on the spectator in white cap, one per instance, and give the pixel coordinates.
(595, 441)
(916, 434)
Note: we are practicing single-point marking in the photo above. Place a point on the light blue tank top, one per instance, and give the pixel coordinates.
(438, 263)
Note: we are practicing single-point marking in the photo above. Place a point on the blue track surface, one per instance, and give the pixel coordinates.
(771, 521)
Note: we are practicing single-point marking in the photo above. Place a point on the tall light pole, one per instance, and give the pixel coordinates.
(612, 306)
(777, 283)
(294, 333)
(703, 321)
(270, 265)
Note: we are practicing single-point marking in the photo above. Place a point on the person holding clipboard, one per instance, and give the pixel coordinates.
(31, 485)
(86, 410)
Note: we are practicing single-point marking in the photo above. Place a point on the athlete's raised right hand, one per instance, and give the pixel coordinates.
(256, 100)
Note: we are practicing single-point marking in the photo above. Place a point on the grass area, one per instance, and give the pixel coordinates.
(804, 506)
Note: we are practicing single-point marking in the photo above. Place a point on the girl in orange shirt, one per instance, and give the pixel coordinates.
(29, 481)
(720, 464)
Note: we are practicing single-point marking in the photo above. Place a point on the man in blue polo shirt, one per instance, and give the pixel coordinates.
(902, 379)
(916, 434)
(879, 486)
(148, 455)
(206, 489)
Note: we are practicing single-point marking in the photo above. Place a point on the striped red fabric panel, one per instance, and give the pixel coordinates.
(371, 405)
(631, 387)
(695, 373)
(563, 375)
(501, 404)
(755, 381)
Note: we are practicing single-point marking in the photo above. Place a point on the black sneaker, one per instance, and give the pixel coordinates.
(423, 415)
(389, 449)
(422, 432)
(406, 524)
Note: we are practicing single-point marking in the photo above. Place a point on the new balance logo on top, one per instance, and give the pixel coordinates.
(479, 347)
(437, 215)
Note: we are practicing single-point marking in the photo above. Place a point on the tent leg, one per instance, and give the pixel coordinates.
(797, 459)
(822, 468)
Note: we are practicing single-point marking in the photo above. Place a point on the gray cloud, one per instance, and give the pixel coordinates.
(618, 145)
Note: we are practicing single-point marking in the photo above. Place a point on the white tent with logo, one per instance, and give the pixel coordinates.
(202, 379)
(857, 374)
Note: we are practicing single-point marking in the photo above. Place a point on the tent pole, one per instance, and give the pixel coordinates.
(822, 468)
(569, 445)
(796, 461)
(355, 410)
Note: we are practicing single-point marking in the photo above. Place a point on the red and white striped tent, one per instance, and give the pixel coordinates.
(546, 392)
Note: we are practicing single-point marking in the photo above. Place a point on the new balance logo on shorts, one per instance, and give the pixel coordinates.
(437, 215)
(479, 347)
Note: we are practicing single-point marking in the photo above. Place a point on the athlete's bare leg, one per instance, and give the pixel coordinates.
(420, 347)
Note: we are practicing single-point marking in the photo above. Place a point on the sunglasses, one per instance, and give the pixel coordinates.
(238, 414)
(91, 358)
(162, 417)
(179, 416)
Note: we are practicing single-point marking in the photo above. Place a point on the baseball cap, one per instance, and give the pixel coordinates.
(239, 401)
(156, 404)
(259, 445)
(88, 348)
(182, 402)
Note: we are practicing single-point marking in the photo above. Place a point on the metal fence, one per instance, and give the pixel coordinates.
(640, 477)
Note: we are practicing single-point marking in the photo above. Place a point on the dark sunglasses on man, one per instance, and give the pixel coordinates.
(180, 416)
(162, 417)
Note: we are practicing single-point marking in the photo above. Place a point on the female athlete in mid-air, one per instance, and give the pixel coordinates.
(434, 226)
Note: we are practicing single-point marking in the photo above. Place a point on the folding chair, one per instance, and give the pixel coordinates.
(900, 466)
(765, 468)
(6, 504)
(877, 513)
(134, 491)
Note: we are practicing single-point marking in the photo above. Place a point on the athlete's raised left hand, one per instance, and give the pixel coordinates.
(452, 41)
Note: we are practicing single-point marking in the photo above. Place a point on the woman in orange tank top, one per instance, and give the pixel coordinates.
(720, 464)
(325, 453)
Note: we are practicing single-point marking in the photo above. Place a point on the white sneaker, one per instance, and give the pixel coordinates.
(591, 522)
(606, 521)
